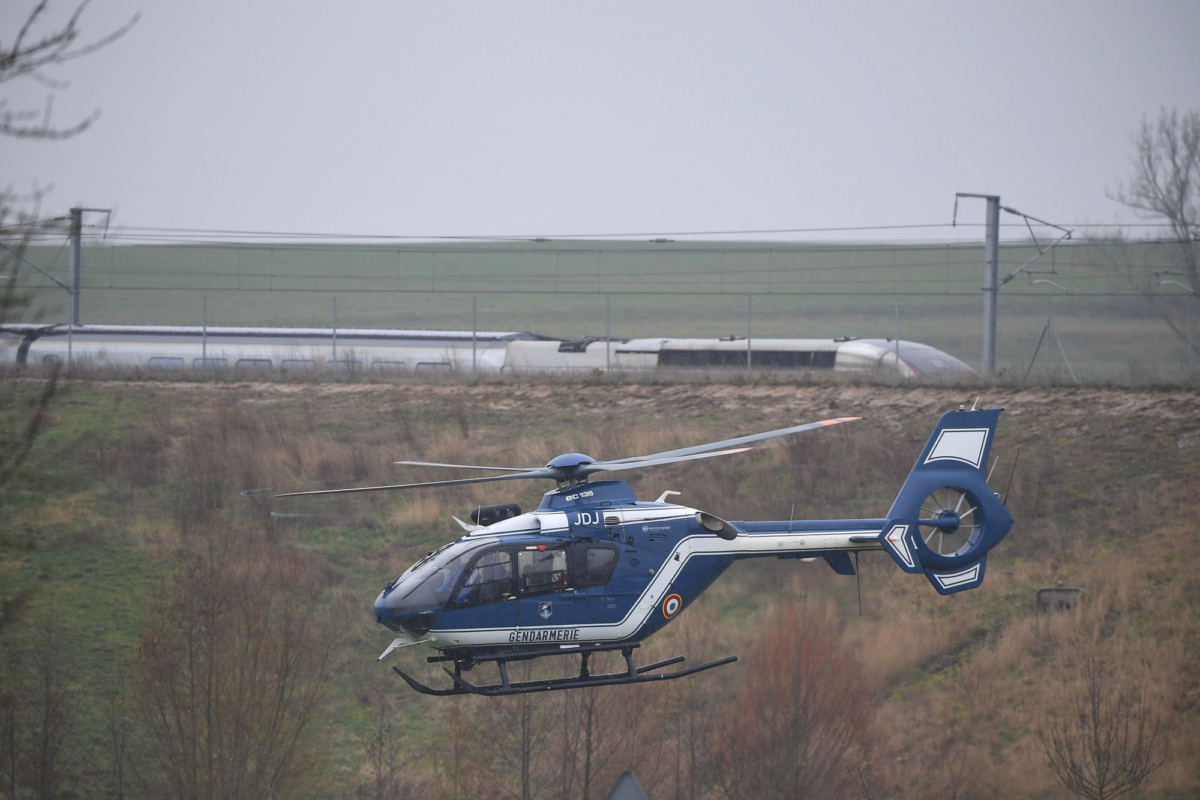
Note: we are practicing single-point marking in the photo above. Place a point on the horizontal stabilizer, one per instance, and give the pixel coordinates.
(957, 579)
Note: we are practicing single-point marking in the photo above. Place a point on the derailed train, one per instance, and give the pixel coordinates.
(163, 348)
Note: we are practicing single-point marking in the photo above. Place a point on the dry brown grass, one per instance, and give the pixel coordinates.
(959, 683)
(418, 510)
(981, 710)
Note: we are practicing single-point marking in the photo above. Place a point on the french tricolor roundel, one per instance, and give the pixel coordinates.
(671, 605)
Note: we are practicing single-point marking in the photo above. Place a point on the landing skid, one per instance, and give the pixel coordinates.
(632, 673)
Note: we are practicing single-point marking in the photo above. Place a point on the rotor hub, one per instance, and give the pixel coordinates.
(950, 515)
(569, 461)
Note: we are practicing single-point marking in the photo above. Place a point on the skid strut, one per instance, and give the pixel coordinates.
(631, 674)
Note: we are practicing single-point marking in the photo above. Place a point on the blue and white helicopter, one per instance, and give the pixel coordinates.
(594, 569)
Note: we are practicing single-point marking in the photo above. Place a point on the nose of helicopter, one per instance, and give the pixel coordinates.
(382, 612)
(394, 613)
(386, 610)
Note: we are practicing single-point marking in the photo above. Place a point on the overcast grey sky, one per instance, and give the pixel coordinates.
(511, 118)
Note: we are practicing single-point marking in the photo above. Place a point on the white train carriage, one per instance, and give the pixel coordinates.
(415, 352)
(875, 357)
(250, 350)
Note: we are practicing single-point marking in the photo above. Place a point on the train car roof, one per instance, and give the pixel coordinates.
(215, 331)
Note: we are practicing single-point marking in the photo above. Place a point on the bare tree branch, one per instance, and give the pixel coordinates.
(28, 57)
(1103, 747)
(800, 718)
(14, 452)
(1166, 178)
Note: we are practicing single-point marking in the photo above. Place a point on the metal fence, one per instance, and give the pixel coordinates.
(1092, 311)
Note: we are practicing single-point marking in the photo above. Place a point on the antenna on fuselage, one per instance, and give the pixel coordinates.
(858, 582)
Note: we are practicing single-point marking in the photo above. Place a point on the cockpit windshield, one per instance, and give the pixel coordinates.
(428, 584)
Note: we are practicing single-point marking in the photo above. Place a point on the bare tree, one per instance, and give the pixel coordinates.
(49, 716)
(1166, 185)
(232, 671)
(118, 728)
(12, 703)
(1166, 178)
(1105, 746)
(800, 716)
(15, 448)
(865, 786)
(37, 47)
(518, 730)
(386, 760)
(595, 726)
(685, 712)
(18, 218)
(34, 50)
(687, 709)
(460, 763)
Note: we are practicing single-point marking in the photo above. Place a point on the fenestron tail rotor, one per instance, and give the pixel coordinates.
(949, 522)
(946, 517)
(575, 467)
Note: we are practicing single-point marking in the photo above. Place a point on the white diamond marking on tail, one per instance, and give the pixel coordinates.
(895, 538)
(959, 444)
(958, 578)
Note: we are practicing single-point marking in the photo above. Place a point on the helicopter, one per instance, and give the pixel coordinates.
(594, 569)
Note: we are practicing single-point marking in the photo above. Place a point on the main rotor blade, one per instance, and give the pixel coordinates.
(541, 473)
(464, 466)
(612, 466)
(756, 437)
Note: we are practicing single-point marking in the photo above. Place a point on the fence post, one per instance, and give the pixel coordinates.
(608, 334)
(474, 328)
(76, 262)
(335, 328)
(749, 333)
(204, 337)
(897, 299)
(1191, 354)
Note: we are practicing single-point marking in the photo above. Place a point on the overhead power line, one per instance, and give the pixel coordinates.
(729, 292)
(181, 234)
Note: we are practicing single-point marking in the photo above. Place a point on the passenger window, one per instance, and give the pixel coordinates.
(598, 565)
(488, 581)
(542, 570)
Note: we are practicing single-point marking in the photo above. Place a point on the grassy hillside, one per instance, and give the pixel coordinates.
(125, 521)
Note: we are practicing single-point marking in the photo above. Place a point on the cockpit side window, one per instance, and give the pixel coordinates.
(598, 563)
(430, 587)
(489, 580)
(542, 570)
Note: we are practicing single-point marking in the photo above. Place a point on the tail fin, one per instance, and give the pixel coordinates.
(946, 517)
